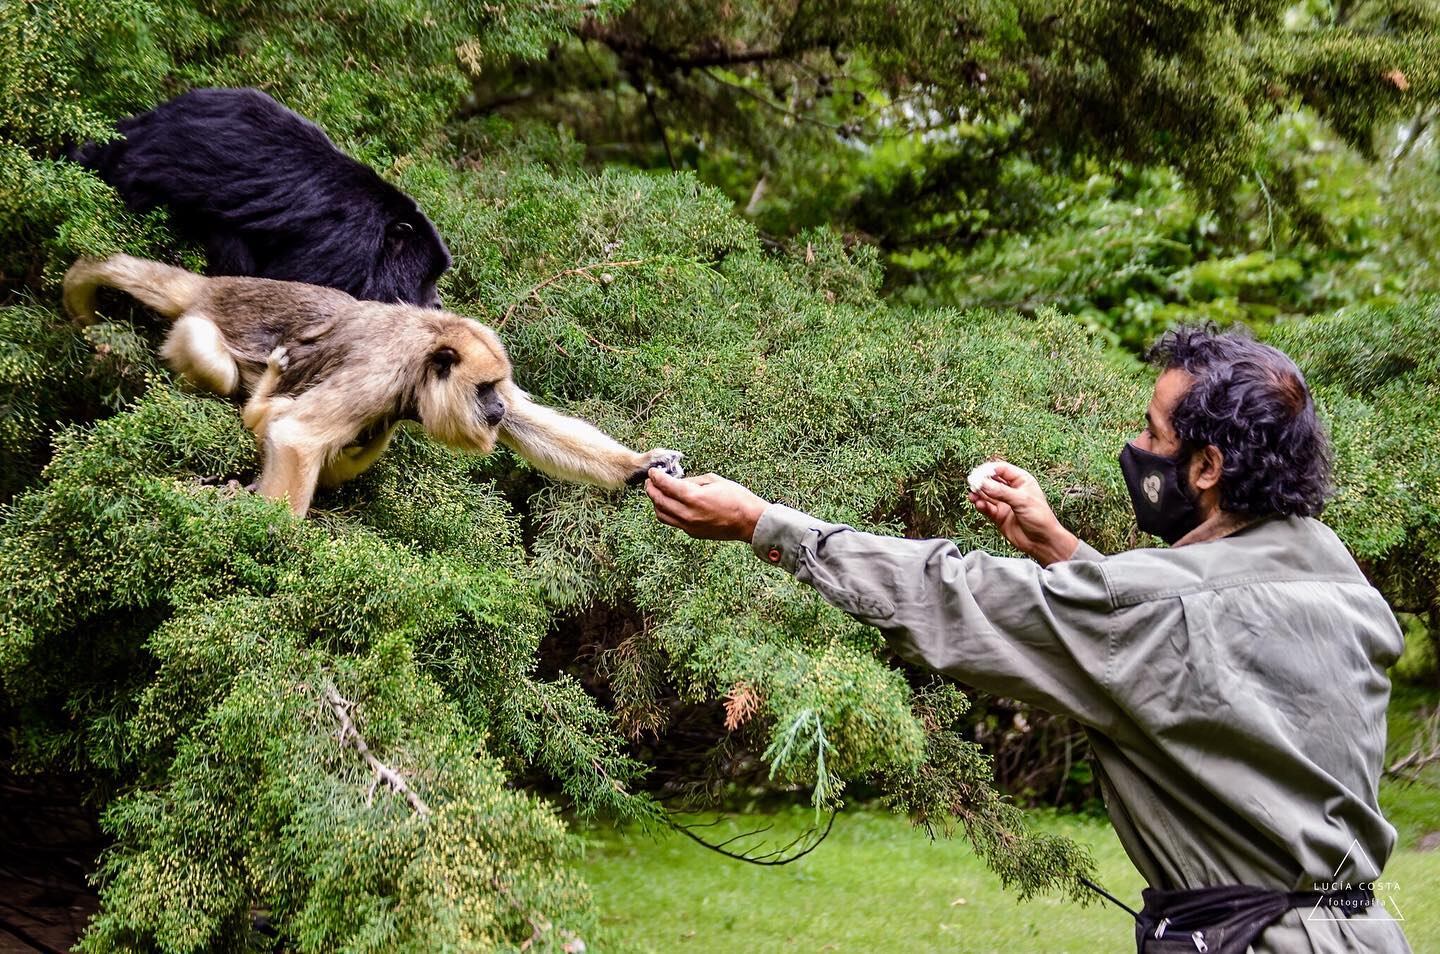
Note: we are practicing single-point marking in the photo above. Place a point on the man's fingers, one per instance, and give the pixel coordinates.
(684, 489)
(666, 512)
(665, 506)
(661, 486)
(1010, 474)
(661, 480)
(990, 510)
(1002, 492)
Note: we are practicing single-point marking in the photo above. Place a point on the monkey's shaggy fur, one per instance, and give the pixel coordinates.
(267, 194)
(329, 377)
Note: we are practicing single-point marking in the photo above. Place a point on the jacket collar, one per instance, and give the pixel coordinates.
(1222, 523)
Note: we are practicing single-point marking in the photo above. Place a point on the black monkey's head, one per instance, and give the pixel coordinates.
(268, 195)
(410, 255)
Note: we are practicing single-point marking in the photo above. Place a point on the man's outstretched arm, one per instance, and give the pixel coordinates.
(1008, 626)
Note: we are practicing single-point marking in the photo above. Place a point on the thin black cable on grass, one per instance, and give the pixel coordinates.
(808, 837)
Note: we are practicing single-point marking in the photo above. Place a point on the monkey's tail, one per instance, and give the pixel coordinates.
(170, 291)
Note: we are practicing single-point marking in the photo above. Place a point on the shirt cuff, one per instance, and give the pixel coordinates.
(1086, 552)
(779, 534)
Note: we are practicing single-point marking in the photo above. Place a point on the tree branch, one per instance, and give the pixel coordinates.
(711, 52)
(660, 128)
(810, 837)
(350, 735)
(1426, 751)
(747, 91)
(578, 270)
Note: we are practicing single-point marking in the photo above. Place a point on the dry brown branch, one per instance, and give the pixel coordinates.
(350, 735)
(741, 702)
(1425, 753)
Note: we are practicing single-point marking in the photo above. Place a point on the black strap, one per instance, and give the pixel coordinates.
(1110, 897)
(1349, 901)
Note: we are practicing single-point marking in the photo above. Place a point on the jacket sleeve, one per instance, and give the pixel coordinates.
(1007, 626)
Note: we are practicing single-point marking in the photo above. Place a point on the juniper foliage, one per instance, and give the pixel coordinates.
(927, 125)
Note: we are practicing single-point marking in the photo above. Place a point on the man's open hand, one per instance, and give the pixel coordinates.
(1014, 502)
(708, 507)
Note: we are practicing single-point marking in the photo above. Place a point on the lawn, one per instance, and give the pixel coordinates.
(879, 885)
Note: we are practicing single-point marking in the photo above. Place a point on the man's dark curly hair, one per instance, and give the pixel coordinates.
(1251, 402)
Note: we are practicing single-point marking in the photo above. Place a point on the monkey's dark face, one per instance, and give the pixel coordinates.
(410, 260)
(489, 403)
(460, 398)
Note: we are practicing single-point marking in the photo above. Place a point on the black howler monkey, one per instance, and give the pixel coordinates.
(268, 195)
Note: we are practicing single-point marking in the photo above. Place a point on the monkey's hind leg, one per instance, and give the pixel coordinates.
(353, 461)
(293, 458)
(196, 349)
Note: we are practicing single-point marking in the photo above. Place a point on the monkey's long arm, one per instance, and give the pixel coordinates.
(568, 448)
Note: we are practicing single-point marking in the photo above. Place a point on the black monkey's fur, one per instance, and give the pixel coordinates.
(268, 195)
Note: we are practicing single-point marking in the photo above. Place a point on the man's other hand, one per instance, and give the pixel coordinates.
(1014, 502)
(707, 507)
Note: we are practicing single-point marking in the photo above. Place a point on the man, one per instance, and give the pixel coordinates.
(1233, 686)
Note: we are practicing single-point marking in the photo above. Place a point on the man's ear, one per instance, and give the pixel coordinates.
(1206, 467)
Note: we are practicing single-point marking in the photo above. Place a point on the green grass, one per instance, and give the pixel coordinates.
(878, 884)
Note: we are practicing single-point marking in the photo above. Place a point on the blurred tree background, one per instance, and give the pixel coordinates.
(840, 251)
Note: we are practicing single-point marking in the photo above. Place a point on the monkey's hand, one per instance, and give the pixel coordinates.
(279, 359)
(661, 457)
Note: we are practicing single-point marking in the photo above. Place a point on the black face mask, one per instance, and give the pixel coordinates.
(1163, 504)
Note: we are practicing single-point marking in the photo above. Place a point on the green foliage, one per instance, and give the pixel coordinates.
(386, 71)
(951, 785)
(34, 354)
(263, 804)
(1136, 253)
(1419, 663)
(200, 627)
(900, 120)
(1376, 374)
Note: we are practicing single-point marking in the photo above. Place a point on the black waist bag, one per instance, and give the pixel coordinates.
(1227, 919)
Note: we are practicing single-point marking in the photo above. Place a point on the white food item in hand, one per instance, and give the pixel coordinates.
(981, 474)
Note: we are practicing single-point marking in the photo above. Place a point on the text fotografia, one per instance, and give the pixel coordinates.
(1378, 899)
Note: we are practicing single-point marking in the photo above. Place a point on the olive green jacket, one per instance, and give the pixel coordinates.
(1234, 690)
